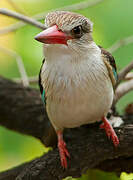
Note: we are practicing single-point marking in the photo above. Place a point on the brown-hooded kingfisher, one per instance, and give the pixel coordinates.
(77, 77)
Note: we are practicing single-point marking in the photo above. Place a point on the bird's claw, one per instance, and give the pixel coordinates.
(63, 153)
(110, 132)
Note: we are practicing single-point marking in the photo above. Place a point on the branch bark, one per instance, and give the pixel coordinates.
(22, 111)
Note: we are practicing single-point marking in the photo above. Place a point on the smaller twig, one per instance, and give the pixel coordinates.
(21, 17)
(124, 72)
(120, 43)
(20, 65)
(123, 89)
(129, 76)
(32, 80)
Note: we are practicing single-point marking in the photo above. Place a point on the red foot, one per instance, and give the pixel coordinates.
(109, 131)
(62, 150)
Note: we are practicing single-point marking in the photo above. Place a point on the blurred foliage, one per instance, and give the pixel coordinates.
(96, 175)
(125, 176)
(112, 22)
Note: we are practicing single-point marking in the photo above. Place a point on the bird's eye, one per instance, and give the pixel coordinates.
(77, 31)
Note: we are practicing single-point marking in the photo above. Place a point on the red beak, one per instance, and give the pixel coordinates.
(53, 36)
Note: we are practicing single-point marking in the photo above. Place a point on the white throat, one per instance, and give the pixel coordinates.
(62, 53)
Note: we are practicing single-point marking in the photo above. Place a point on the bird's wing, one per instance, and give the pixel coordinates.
(49, 137)
(40, 85)
(110, 64)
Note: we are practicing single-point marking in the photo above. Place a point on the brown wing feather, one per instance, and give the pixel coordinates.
(110, 64)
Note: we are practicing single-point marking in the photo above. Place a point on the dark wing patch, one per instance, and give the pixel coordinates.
(50, 138)
(110, 64)
(40, 85)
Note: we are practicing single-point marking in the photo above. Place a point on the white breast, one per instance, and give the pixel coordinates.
(77, 91)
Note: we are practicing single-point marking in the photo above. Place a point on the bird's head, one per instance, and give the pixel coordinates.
(66, 28)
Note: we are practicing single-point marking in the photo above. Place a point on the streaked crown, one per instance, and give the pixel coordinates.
(66, 21)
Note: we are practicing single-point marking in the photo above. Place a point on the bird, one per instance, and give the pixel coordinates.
(77, 77)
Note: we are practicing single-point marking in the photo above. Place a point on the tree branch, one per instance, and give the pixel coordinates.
(129, 76)
(21, 109)
(88, 145)
(21, 17)
(32, 80)
(123, 89)
(91, 150)
(124, 72)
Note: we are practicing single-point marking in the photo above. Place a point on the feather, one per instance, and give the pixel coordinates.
(40, 85)
(110, 64)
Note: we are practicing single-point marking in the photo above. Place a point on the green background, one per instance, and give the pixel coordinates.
(112, 22)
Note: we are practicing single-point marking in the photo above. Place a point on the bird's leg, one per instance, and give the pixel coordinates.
(62, 149)
(109, 131)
